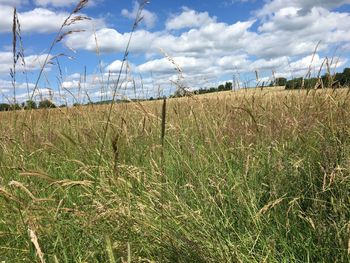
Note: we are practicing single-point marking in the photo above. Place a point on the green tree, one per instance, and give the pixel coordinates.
(15, 106)
(346, 77)
(228, 86)
(294, 83)
(310, 83)
(281, 81)
(5, 107)
(221, 87)
(45, 104)
(30, 104)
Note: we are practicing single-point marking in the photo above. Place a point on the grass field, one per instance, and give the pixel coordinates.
(246, 176)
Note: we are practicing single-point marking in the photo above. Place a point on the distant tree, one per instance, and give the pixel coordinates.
(343, 78)
(5, 107)
(340, 78)
(310, 83)
(212, 89)
(45, 104)
(228, 86)
(30, 104)
(281, 81)
(15, 106)
(221, 87)
(346, 76)
(294, 83)
(327, 80)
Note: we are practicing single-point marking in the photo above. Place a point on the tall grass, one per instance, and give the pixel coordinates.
(245, 176)
(233, 193)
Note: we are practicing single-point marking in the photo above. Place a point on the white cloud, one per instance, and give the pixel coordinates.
(39, 94)
(6, 61)
(208, 49)
(33, 62)
(236, 62)
(285, 33)
(63, 3)
(233, 2)
(36, 20)
(110, 40)
(74, 76)
(304, 5)
(305, 62)
(316, 20)
(71, 84)
(291, 33)
(189, 19)
(7, 87)
(269, 64)
(3, 90)
(186, 64)
(115, 66)
(13, 3)
(57, 3)
(148, 18)
(196, 42)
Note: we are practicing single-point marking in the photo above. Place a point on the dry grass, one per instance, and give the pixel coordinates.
(244, 176)
(255, 175)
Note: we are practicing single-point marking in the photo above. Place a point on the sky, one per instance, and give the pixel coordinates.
(191, 43)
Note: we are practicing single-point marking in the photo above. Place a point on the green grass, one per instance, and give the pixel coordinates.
(257, 176)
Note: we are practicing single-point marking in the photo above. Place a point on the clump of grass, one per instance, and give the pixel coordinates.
(138, 19)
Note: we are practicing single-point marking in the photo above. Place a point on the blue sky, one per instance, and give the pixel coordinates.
(210, 41)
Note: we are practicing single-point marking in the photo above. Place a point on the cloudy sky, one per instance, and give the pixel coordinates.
(210, 41)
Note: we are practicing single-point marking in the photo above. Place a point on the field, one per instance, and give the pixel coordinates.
(245, 176)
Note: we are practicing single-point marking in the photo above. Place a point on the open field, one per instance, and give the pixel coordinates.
(246, 176)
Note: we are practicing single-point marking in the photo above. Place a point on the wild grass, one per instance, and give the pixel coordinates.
(258, 176)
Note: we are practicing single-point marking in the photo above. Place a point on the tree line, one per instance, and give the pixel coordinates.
(341, 79)
(222, 87)
(28, 105)
(326, 81)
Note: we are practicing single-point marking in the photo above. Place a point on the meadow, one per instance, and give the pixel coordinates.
(253, 175)
(246, 176)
